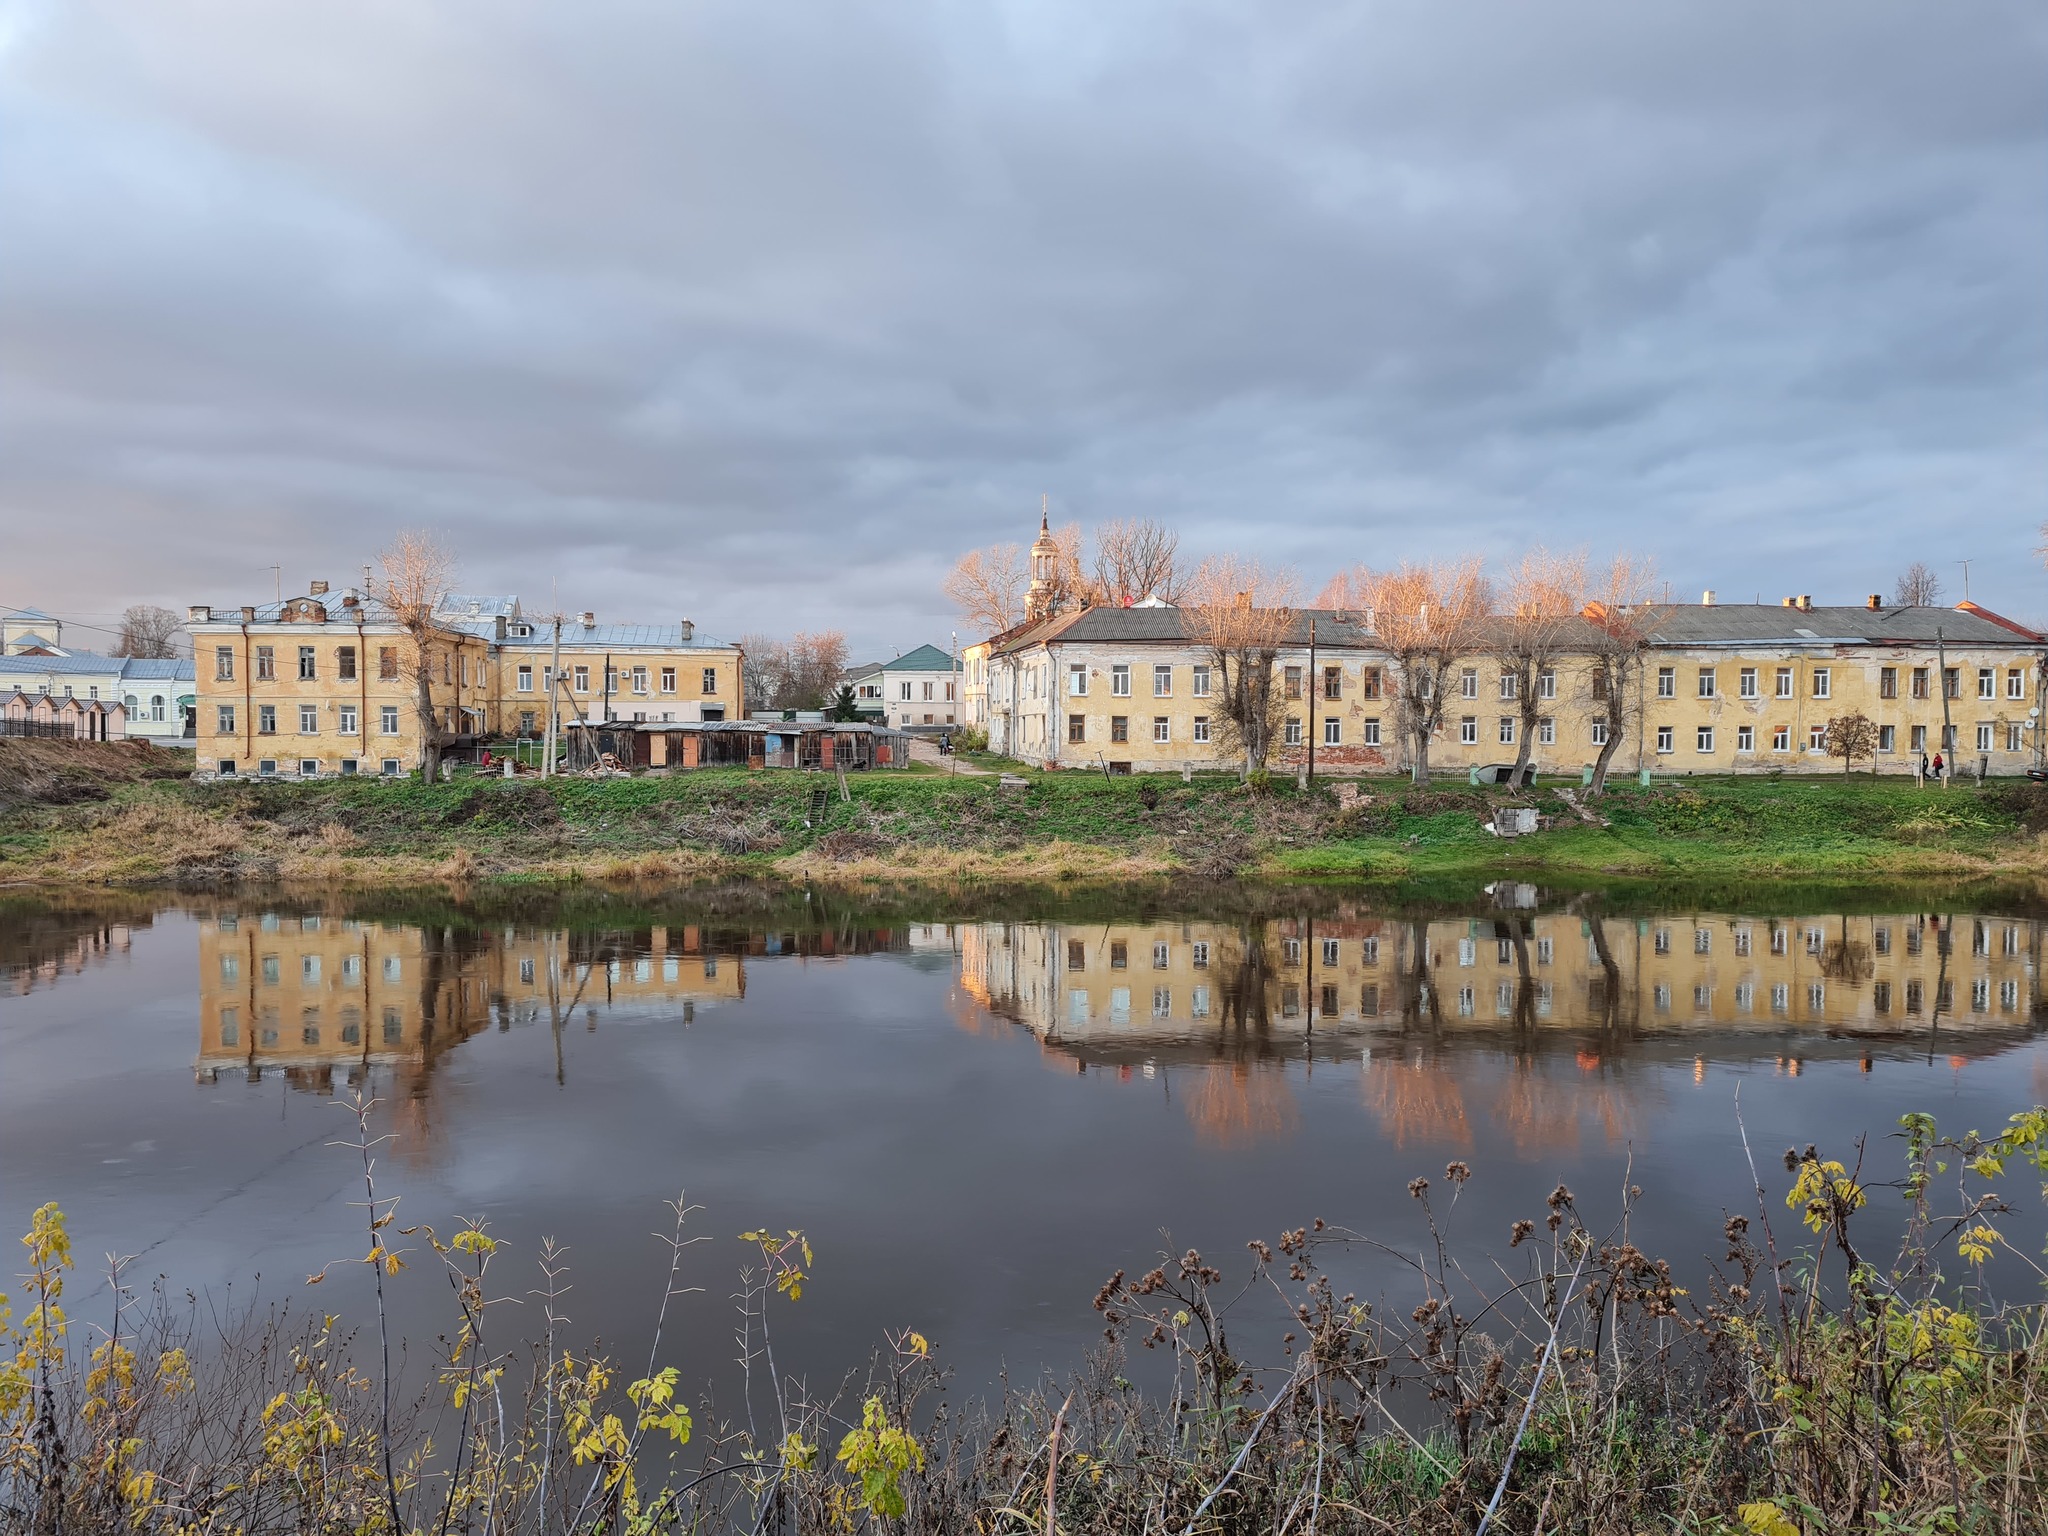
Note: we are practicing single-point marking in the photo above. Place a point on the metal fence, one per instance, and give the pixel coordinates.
(47, 730)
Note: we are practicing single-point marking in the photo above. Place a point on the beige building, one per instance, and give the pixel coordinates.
(326, 683)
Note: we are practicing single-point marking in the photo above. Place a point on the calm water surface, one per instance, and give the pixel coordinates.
(975, 1120)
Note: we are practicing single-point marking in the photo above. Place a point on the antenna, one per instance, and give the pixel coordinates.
(277, 573)
(1965, 564)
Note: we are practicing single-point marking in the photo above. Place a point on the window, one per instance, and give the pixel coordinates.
(1784, 682)
(1599, 733)
(2012, 738)
(266, 663)
(266, 765)
(266, 719)
(224, 719)
(1816, 738)
(1887, 738)
(1162, 682)
(1333, 682)
(1507, 730)
(1372, 732)
(1333, 731)
(1665, 739)
(1290, 682)
(927, 693)
(387, 719)
(1667, 682)
(227, 767)
(1887, 682)
(2015, 683)
(1468, 731)
(309, 767)
(526, 722)
(308, 668)
(1987, 683)
(1746, 683)
(1201, 727)
(1820, 682)
(1077, 681)
(1468, 683)
(387, 662)
(1077, 728)
(345, 663)
(1119, 728)
(710, 681)
(1600, 683)
(668, 679)
(1546, 731)
(347, 727)
(1120, 681)
(1948, 738)
(1292, 734)
(1161, 729)
(389, 768)
(1983, 737)
(1919, 682)
(1706, 682)
(525, 680)
(1705, 738)
(1919, 738)
(224, 663)
(639, 679)
(1510, 685)
(309, 719)
(1119, 955)
(1369, 682)
(1200, 686)
(582, 680)
(1546, 683)
(1952, 682)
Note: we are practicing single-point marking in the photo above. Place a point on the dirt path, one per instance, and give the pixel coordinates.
(923, 751)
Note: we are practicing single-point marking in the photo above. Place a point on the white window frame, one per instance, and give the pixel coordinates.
(347, 727)
(1703, 739)
(387, 719)
(1667, 739)
(1077, 680)
(1162, 728)
(1468, 731)
(1120, 681)
(1201, 727)
(1372, 731)
(1199, 687)
(1162, 681)
(1667, 682)
(309, 719)
(1333, 731)
(1507, 730)
(1823, 683)
(1746, 683)
(1745, 738)
(1784, 683)
(1546, 731)
(525, 680)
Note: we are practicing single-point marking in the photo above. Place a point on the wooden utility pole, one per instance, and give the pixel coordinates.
(554, 674)
(1315, 699)
(1948, 746)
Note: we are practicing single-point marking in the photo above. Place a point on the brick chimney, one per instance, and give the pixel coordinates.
(588, 619)
(316, 589)
(248, 613)
(198, 613)
(1874, 602)
(1806, 602)
(1707, 598)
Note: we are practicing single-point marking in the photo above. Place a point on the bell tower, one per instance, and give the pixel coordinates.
(1045, 556)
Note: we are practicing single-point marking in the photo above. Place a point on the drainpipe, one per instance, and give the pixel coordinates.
(363, 708)
(248, 706)
(1947, 746)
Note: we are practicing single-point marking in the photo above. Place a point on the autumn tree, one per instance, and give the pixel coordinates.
(147, 631)
(1243, 614)
(1623, 614)
(1917, 587)
(988, 587)
(1135, 560)
(802, 672)
(417, 571)
(1537, 626)
(1851, 736)
(1427, 619)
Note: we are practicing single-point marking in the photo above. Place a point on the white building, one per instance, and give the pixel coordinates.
(919, 688)
(160, 695)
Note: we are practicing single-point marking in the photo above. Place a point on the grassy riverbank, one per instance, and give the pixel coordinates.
(111, 817)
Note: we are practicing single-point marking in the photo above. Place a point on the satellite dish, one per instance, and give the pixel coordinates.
(2034, 713)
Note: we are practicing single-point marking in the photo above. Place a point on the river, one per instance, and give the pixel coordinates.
(975, 1112)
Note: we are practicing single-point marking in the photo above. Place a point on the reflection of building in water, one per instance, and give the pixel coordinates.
(310, 993)
(39, 945)
(1107, 983)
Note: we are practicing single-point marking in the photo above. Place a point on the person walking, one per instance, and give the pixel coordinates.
(1937, 769)
(1920, 773)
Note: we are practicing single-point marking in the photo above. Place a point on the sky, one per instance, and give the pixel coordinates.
(761, 314)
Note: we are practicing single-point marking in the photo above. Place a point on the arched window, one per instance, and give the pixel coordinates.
(129, 704)
(156, 706)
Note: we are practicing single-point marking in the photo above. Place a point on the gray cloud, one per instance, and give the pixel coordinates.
(763, 314)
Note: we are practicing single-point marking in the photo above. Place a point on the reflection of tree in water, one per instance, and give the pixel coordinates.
(1544, 1113)
(447, 1017)
(1418, 1103)
(1415, 1001)
(1238, 1103)
(1244, 981)
(1846, 959)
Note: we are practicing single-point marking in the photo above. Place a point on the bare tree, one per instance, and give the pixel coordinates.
(1135, 560)
(417, 570)
(1622, 617)
(1243, 613)
(1852, 736)
(802, 672)
(1538, 625)
(1427, 618)
(988, 587)
(1918, 587)
(147, 631)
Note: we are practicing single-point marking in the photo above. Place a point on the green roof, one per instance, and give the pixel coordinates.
(926, 658)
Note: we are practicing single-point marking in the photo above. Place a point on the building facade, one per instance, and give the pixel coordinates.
(918, 688)
(329, 683)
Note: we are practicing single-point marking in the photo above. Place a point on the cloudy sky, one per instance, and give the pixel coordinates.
(762, 313)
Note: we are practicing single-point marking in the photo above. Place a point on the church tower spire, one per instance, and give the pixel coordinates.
(1045, 558)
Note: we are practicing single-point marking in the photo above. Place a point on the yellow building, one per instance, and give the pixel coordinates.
(1723, 688)
(327, 683)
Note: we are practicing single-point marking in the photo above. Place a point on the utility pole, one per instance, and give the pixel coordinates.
(277, 575)
(1965, 564)
(554, 672)
(1315, 693)
(1947, 730)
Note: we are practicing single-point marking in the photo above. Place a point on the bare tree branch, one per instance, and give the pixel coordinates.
(1244, 613)
(417, 571)
(147, 631)
(1918, 586)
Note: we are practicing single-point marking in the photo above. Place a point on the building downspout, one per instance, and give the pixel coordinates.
(1947, 747)
(1315, 694)
(248, 705)
(363, 695)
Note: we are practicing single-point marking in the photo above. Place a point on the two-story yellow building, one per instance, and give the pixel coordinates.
(328, 683)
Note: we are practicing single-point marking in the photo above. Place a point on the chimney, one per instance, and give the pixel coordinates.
(349, 600)
(1806, 602)
(1873, 602)
(1791, 602)
(1707, 598)
(316, 589)
(689, 630)
(198, 613)
(498, 629)
(588, 618)
(248, 614)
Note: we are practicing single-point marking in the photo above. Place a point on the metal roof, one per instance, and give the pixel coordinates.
(926, 658)
(80, 663)
(666, 637)
(1109, 626)
(1772, 624)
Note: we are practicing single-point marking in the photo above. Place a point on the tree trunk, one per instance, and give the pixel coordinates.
(430, 730)
(1418, 769)
(1607, 750)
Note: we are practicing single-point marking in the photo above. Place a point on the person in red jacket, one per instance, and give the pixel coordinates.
(1937, 767)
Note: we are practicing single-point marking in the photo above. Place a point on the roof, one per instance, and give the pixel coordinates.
(926, 658)
(1774, 624)
(865, 669)
(1109, 625)
(28, 613)
(666, 637)
(31, 638)
(79, 664)
(470, 605)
